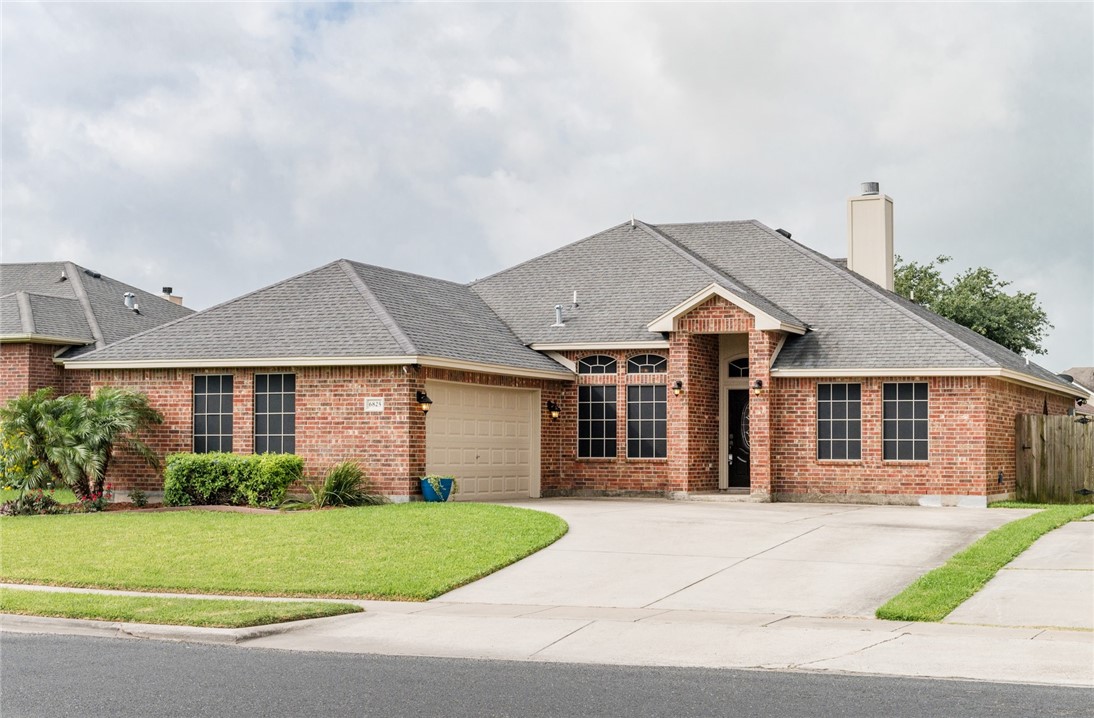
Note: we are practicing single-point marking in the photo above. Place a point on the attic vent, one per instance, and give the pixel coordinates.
(94, 275)
(130, 300)
(783, 232)
(558, 316)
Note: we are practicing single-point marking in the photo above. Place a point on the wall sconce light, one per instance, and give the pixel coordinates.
(757, 386)
(554, 409)
(425, 402)
(678, 387)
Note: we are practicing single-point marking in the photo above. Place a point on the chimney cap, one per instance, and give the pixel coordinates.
(168, 290)
(871, 188)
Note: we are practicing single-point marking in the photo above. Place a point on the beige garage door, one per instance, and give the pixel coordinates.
(488, 438)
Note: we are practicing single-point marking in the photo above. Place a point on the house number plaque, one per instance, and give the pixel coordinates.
(374, 404)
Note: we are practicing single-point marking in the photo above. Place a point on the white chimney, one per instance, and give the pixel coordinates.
(171, 297)
(870, 235)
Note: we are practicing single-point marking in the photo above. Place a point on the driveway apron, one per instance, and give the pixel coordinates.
(797, 559)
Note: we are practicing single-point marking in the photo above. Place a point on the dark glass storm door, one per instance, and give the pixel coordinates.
(737, 439)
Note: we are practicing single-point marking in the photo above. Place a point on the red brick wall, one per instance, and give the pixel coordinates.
(1005, 402)
(28, 367)
(693, 427)
(971, 431)
(619, 475)
(331, 424)
(715, 316)
(763, 421)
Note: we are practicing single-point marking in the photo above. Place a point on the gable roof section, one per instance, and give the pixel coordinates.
(625, 277)
(341, 313)
(82, 310)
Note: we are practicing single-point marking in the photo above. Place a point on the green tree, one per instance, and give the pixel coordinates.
(976, 299)
(71, 439)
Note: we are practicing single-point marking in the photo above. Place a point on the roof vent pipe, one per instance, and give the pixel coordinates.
(130, 300)
(558, 316)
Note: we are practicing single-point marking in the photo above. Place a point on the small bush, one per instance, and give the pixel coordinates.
(230, 479)
(138, 497)
(31, 503)
(346, 485)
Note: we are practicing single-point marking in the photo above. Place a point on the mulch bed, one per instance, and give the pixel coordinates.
(150, 507)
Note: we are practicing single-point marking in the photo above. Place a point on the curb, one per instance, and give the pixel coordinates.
(13, 623)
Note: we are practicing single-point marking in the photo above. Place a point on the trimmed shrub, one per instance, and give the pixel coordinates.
(230, 479)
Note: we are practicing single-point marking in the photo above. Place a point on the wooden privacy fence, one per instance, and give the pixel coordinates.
(1055, 459)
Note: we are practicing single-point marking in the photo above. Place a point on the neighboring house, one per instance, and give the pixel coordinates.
(677, 358)
(1084, 377)
(51, 312)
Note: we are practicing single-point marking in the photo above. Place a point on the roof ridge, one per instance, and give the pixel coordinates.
(26, 314)
(378, 308)
(702, 263)
(85, 302)
(546, 254)
(870, 288)
(403, 272)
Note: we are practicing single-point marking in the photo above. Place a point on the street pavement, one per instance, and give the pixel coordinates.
(52, 676)
(620, 589)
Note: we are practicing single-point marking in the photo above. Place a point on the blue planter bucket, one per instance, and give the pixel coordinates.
(431, 495)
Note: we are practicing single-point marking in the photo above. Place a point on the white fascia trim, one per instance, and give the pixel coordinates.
(438, 362)
(594, 346)
(764, 321)
(1006, 374)
(561, 359)
(43, 339)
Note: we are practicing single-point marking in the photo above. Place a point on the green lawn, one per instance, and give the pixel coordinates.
(212, 613)
(403, 551)
(934, 595)
(61, 496)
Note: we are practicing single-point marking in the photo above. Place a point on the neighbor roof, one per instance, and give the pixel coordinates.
(64, 303)
(341, 312)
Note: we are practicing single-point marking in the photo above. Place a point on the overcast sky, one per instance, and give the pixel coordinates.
(218, 148)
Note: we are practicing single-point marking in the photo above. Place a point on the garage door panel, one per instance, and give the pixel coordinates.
(483, 436)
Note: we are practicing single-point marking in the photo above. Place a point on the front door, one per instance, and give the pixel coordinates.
(737, 438)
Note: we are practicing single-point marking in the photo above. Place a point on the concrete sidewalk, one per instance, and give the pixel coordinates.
(659, 637)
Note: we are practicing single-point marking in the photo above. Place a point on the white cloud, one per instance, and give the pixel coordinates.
(236, 144)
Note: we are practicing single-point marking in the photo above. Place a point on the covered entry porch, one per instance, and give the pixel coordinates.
(720, 431)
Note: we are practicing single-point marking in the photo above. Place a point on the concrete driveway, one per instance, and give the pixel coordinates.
(797, 559)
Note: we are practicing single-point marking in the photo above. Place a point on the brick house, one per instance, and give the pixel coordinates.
(51, 312)
(668, 359)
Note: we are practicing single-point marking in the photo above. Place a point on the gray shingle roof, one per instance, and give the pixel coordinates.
(82, 306)
(625, 278)
(342, 310)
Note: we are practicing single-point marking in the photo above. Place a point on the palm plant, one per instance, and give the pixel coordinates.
(344, 485)
(72, 438)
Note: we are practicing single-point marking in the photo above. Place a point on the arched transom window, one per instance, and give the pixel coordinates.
(596, 364)
(738, 368)
(647, 364)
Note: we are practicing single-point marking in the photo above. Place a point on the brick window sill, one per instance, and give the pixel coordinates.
(905, 462)
(844, 462)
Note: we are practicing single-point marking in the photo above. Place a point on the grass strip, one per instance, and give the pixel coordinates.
(936, 594)
(411, 551)
(61, 496)
(205, 612)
